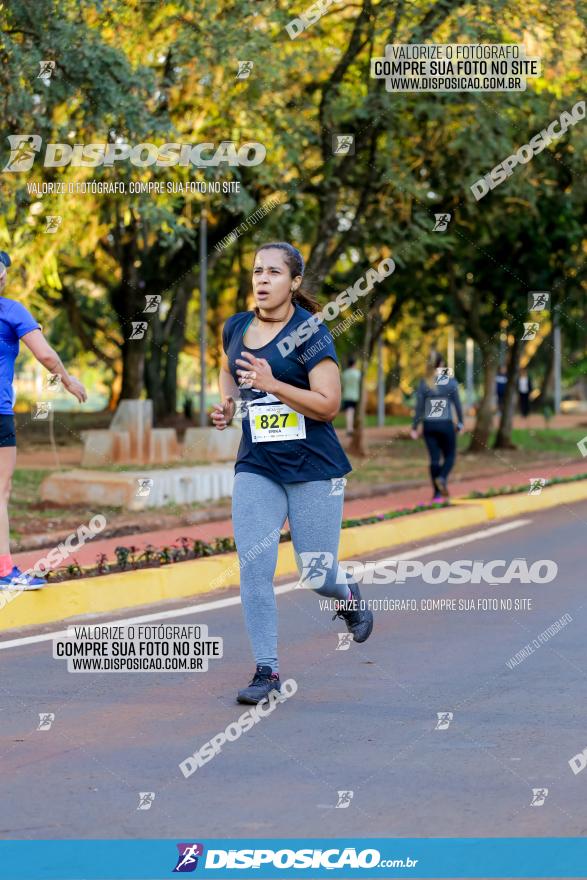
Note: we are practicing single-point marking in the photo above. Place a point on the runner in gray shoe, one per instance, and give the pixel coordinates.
(280, 366)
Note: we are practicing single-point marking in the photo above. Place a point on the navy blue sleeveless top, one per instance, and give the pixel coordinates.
(318, 456)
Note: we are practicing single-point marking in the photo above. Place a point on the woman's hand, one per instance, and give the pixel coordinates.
(414, 434)
(76, 388)
(223, 413)
(255, 373)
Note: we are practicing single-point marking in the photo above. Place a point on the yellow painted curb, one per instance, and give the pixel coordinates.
(128, 590)
(486, 503)
(552, 496)
(358, 540)
(503, 506)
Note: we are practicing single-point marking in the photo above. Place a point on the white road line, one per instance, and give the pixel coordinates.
(284, 588)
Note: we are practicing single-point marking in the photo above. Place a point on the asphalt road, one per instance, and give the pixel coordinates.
(363, 720)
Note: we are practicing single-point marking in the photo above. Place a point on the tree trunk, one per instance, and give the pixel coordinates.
(165, 345)
(114, 392)
(546, 388)
(128, 301)
(244, 282)
(153, 368)
(357, 444)
(503, 439)
(484, 421)
(133, 363)
(174, 347)
(478, 328)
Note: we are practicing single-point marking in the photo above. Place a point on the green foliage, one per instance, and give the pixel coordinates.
(160, 72)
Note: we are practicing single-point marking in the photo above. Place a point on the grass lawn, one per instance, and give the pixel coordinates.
(560, 440)
(371, 421)
(401, 459)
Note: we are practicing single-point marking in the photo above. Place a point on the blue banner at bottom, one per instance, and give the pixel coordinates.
(295, 857)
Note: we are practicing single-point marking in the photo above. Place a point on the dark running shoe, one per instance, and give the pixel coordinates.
(442, 487)
(358, 621)
(264, 681)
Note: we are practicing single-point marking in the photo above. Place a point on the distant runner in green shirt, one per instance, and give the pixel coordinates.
(351, 393)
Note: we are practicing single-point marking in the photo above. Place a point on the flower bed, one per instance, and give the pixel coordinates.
(132, 558)
(516, 490)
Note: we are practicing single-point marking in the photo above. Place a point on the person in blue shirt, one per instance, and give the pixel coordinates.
(279, 373)
(17, 323)
(437, 395)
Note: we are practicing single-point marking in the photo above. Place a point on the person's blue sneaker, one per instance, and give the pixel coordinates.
(17, 580)
(262, 683)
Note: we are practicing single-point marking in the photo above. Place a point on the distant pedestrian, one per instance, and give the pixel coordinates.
(501, 383)
(524, 392)
(188, 407)
(436, 395)
(351, 393)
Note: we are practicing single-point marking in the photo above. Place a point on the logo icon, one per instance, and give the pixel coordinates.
(444, 719)
(188, 857)
(441, 222)
(46, 719)
(344, 799)
(344, 641)
(144, 487)
(241, 409)
(246, 381)
(46, 68)
(537, 484)
(315, 567)
(153, 301)
(52, 382)
(436, 408)
(244, 69)
(530, 331)
(539, 795)
(42, 410)
(22, 151)
(578, 762)
(343, 144)
(139, 328)
(53, 222)
(146, 799)
(582, 447)
(337, 485)
(538, 300)
(443, 374)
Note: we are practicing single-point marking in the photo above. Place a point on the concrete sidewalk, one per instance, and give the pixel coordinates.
(352, 509)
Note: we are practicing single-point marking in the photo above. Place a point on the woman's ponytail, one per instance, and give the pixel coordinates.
(306, 301)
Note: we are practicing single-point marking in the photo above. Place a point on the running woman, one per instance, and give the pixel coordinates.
(17, 323)
(437, 394)
(290, 463)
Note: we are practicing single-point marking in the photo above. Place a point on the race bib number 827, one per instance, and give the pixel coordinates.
(271, 423)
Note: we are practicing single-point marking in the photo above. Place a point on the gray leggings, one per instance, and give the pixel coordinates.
(260, 507)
